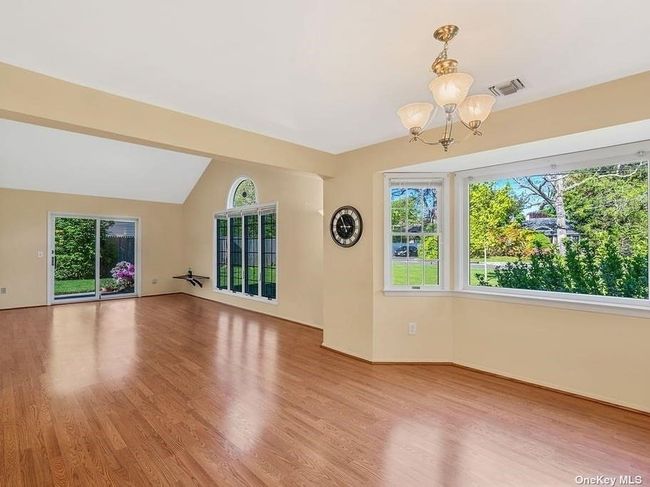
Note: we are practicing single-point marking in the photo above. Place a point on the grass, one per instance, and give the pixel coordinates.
(412, 273)
(269, 274)
(415, 271)
(79, 286)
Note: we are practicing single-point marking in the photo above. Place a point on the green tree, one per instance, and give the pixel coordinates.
(598, 201)
(491, 210)
(611, 202)
(430, 247)
(413, 207)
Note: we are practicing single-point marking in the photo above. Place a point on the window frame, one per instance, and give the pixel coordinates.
(561, 163)
(241, 212)
(442, 184)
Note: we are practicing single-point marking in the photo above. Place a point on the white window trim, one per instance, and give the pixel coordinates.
(241, 211)
(565, 162)
(444, 242)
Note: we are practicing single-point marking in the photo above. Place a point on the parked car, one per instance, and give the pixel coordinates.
(402, 250)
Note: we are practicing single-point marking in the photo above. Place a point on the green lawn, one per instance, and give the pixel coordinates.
(78, 286)
(415, 273)
(431, 275)
(477, 267)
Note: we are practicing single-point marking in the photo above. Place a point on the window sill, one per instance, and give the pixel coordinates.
(632, 309)
(246, 296)
(439, 292)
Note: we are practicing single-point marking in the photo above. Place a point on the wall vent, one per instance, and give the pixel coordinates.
(507, 88)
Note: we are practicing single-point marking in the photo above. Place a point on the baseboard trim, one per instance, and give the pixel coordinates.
(499, 376)
(348, 355)
(25, 307)
(553, 389)
(313, 327)
(90, 301)
(414, 363)
(160, 294)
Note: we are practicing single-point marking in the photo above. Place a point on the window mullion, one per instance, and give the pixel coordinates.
(259, 253)
(243, 253)
(228, 253)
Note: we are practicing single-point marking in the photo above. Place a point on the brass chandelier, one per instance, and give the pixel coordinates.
(449, 89)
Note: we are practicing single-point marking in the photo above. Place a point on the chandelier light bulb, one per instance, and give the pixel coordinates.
(415, 115)
(449, 90)
(476, 108)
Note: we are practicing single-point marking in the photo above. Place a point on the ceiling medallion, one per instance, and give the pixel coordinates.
(449, 90)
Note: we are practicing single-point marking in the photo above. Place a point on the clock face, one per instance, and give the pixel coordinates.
(346, 226)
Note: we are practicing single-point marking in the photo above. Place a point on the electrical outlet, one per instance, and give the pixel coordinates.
(154, 280)
(413, 328)
(3, 290)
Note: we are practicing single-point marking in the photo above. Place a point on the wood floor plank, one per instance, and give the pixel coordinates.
(175, 390)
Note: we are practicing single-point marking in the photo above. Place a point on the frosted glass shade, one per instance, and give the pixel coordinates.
(451, 89)
(415, 115)
(476, 107)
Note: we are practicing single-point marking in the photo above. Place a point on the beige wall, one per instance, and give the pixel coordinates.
(300, 236)
(24, 228)
(604, 356)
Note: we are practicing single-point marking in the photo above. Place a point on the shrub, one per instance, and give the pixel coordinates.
(124, 275)
(584, 269)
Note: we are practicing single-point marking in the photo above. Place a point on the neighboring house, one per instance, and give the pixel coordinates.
(548, 226)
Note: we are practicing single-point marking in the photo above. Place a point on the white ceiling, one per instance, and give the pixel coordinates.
(44, 159)
(328, 74)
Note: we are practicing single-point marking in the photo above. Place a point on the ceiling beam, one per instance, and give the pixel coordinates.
(31, 97)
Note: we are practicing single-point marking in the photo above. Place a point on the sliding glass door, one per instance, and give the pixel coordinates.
(92, 258)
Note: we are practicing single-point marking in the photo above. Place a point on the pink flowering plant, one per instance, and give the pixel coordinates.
(124, 275)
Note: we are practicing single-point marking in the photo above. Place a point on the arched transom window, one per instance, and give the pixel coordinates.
(243, 193)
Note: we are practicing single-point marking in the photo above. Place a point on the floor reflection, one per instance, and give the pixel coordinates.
(90, 343)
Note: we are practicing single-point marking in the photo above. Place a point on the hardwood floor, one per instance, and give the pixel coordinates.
(178, 390)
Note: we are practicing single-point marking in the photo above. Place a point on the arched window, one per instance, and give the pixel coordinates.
(242, 193)
(246, 245)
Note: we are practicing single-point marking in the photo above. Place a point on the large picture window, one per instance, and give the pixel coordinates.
(245, 245)
(413, 240)
(560, 229)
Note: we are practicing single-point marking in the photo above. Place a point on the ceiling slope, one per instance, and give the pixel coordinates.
(45, 159)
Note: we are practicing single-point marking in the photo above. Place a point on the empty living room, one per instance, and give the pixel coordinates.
(314, 243)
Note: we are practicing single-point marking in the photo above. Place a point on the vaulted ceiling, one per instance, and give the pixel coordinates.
(45, 159)
(325, 74)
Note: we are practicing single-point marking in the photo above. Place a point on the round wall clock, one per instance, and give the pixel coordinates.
(346, 226)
